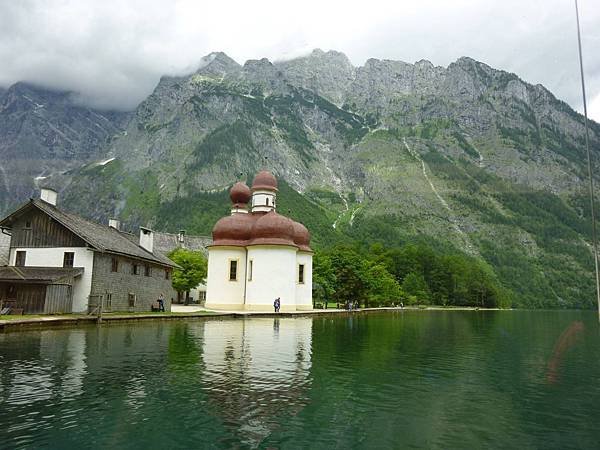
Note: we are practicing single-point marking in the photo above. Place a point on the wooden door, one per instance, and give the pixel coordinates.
(31, 297)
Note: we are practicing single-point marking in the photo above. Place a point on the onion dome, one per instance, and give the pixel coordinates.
(233, 230)
(273, 229)
(264, 180)
(301, 237)
(240, 194)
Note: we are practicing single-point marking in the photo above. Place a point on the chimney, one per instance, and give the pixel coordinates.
(49, 196)
(147, 239)
(114, 223)
(181, 237)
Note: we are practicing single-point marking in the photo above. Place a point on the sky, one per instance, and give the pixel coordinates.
(113, 52)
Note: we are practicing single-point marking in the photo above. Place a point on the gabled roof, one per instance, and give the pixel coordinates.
(98, 236)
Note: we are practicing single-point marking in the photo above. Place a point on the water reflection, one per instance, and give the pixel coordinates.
(257, 372)
(411, 379)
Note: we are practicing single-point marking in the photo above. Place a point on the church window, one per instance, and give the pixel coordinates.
(233, 270)
(267, 199)
(301, 273)
(250, 266)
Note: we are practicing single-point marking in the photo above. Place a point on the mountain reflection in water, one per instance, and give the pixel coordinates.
(433, 379)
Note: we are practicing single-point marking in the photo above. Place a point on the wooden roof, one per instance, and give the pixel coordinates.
(98, 236)
(39, 274)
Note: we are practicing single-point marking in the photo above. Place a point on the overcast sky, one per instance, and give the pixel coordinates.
(114, 51)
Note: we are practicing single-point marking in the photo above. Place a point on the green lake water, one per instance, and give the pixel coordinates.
(407, 379)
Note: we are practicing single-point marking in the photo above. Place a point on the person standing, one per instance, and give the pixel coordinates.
(275, 305)
(161, 302)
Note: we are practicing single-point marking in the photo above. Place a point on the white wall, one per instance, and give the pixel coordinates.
(273, 275)
(304, 290)
(54, 257)
(220, 292)
(195, 292)
(259, 201)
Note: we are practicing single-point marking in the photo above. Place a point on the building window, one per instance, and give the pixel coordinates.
(115, 265)
(135, 269)
(250, 267)
(233, 270)
(108, 300)
(267, 201)
(20, 258)
(28, 225)
(167, 274)
(301, 273)
(68, 259)
(147, 270)
(131, 298)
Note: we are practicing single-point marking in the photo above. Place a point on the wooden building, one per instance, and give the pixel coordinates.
(60, 262)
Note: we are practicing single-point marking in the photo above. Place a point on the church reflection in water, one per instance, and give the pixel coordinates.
(237, 380)
(257, 372)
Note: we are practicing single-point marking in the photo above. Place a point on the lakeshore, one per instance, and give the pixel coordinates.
(179, 312)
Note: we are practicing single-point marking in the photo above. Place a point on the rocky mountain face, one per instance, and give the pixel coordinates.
(43, 133)
(463, 157)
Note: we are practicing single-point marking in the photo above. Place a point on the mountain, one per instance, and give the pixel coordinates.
(465, 158)
(43, 132)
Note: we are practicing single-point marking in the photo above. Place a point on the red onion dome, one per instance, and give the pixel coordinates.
(240, 194)
(264, 180)
(301, 237)
(273, 229)
(233, 230)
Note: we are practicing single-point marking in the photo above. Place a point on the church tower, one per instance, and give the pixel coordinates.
(264, 192)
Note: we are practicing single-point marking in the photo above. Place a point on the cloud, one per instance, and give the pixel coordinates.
(113, 52)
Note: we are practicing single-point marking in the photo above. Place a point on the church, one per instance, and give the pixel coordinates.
(258, 255)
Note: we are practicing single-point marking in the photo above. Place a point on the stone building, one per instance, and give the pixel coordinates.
(258, 255)
(59, 262)
(167, 242)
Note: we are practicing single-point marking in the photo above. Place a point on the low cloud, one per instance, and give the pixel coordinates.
(113, 53)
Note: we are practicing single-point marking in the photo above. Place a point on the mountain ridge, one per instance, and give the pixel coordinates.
(465, 157)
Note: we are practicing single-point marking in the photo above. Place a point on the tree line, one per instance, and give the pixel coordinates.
(412, 274)
(376, 276)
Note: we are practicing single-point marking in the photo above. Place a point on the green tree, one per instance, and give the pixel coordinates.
(324, 279)
(192, 272)
(382, 287)
(349, 271)
(414, 285)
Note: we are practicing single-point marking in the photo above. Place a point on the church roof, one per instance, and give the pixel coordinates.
(243, 229)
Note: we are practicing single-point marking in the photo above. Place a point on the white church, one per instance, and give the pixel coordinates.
(258, 255)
